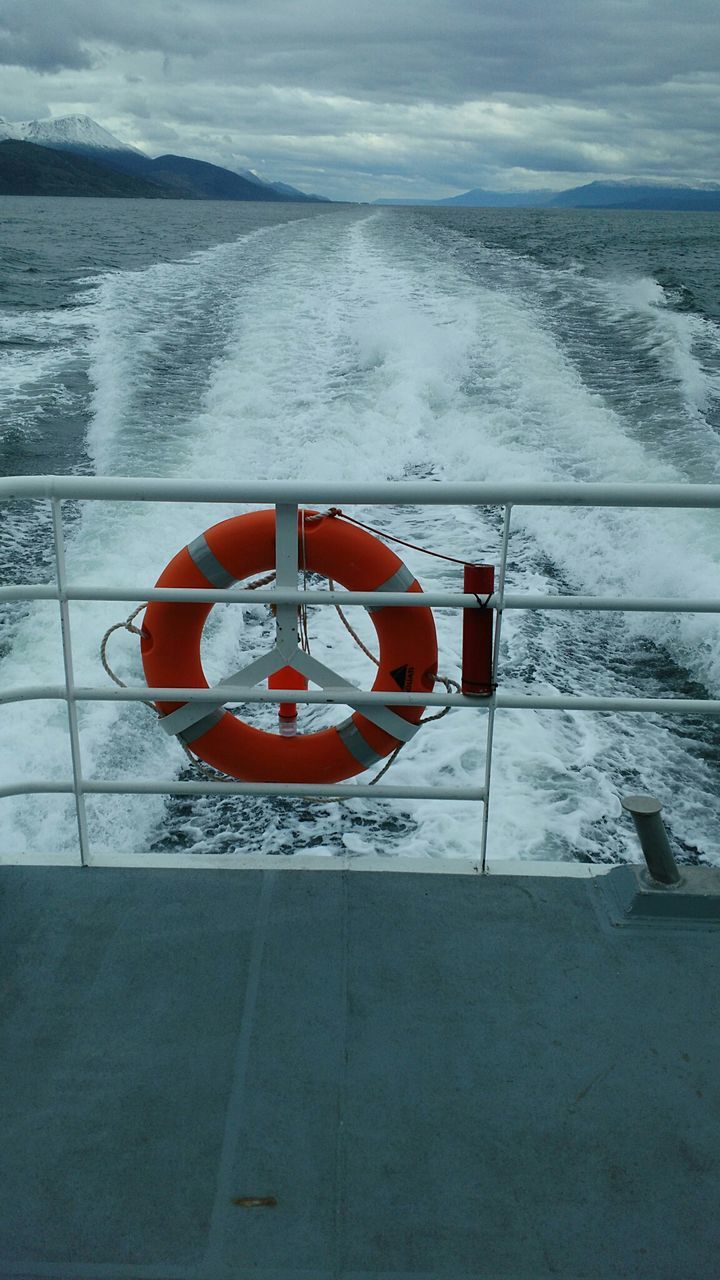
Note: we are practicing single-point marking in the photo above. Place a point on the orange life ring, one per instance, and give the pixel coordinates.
(244, 546)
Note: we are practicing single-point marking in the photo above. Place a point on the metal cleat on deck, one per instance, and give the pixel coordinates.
(660, 893)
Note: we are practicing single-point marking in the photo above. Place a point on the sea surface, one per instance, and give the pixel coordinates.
(353, 343)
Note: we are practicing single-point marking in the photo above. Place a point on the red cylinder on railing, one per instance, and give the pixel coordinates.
(477, 646)
(287, 678)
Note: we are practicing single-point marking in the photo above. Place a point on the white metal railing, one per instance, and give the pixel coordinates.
(286, 598)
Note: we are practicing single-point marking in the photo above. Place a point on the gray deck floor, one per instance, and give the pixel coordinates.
(432, 1076)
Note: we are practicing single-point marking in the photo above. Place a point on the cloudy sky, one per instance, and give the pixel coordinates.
(384, 97)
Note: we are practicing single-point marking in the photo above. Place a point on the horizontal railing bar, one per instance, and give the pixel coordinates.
(656, 706)
(366, 599)
(609, 604)
(345, 791)
(237, 694)
(231, 694)
(270, 596)
(416, 492)
(29, 591)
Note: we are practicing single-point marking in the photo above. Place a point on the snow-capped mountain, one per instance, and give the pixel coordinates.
(65, 133)
(179, 176)
(251, 176)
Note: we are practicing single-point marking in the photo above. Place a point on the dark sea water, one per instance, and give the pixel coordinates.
(354, 343)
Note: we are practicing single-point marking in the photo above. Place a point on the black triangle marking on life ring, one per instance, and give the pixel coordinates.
(403, 677)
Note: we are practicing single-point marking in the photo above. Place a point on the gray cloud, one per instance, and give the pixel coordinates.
(402, 50)
(438, 96)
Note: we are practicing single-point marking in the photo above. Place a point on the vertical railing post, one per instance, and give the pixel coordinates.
(61, 577)
(286, 575)
(500, 593)
(286, 616)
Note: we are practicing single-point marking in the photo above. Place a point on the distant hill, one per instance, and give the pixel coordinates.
(593, 195)
(292, 193)
(499, 199)
(478, 198)
(194, 179)
(172, 176)
(630, 195)
(29, 170)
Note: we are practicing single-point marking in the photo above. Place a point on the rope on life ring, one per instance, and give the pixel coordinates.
(244, 546)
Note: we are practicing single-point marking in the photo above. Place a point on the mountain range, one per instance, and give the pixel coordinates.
(620, 194)
(74, 155)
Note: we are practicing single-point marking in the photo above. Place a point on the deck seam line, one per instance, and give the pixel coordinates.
(340, 1141)
(93, 1271)
(213, 1259)
(137, 1271)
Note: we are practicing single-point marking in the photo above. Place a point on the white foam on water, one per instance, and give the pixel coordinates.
(37, 349)
(329, 349)
(686, 345)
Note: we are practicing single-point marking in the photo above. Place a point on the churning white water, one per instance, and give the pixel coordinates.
(363, 345)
